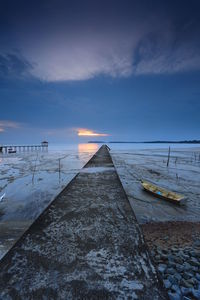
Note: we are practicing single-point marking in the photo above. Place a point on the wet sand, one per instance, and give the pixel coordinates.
(182, 176)
(171, 232)
(30, 181)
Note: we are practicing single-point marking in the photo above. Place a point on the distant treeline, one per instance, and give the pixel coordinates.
(174, 142)
(149, 142)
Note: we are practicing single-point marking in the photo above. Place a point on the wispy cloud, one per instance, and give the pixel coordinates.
(14, 65)
(128, 40)
(6, 124)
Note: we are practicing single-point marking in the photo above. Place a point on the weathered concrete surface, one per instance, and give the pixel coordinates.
(86, 245)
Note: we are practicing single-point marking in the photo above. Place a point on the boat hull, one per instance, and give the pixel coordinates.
(163, 193)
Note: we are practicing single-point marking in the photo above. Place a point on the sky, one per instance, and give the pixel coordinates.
(73, 71)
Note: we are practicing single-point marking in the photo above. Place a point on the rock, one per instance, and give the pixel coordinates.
(186, 284)
(172, 264)
(171, 271)
(179, 268)
(172, 279)
(170, 257)
(185, 256)
(196, 293)
(174, 296)
(178, 276)
(178, 260)
(159, 251)
(164, 257)
(165, 251)
(193, 281)
(157, 257)
(194, 262)
(194, 269)
(174, 249)
(196, 243)
(185, 291)
(196, 253)
(180, 253)
(167, 283)
(187, 275)
(186, 266)
(175, 288)
(198, 276)
(162, 268)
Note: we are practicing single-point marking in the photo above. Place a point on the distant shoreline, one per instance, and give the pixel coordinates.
(147, 142)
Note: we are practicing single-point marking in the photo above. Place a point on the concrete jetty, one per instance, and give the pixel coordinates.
(87, 244)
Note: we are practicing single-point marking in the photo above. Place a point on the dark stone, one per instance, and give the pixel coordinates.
(186, 266)
(178, 276)
(185, 291)
(174, 296)
(162, 268)
(167, 283)
(171, 271)
(196, 293)
(179, 268)
(185, 283)
(198, 276)
(175, 288)
(172, 279)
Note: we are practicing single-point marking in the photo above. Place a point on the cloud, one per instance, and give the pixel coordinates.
(72, 132)
(120, 56)
(157, 54)
(89, 132)
(5, 124)
(118, 40)
(13, 65)
(78, 58)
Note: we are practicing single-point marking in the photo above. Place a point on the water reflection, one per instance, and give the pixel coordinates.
(89, 148)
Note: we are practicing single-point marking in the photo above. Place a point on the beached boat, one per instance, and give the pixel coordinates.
(163, 193)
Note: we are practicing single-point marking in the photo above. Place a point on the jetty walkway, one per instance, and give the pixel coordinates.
(87, 244)
(22, 148)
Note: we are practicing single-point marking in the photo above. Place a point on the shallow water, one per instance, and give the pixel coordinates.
(182, 175)
(31, 180)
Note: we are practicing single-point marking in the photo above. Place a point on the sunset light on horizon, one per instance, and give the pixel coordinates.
(88, 132)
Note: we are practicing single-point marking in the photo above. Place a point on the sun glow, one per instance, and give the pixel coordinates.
(88, 132)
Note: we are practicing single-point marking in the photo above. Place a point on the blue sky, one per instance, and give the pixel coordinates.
(129, 69)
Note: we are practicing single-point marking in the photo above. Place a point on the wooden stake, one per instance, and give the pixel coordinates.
(168, 157)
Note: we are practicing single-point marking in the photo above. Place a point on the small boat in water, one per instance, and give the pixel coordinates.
(163, 193)
(11, 150)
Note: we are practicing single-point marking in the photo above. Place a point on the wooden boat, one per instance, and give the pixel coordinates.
(11, 150)
(163, 193)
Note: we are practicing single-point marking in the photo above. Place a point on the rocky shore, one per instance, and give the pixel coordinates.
(175, 248)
